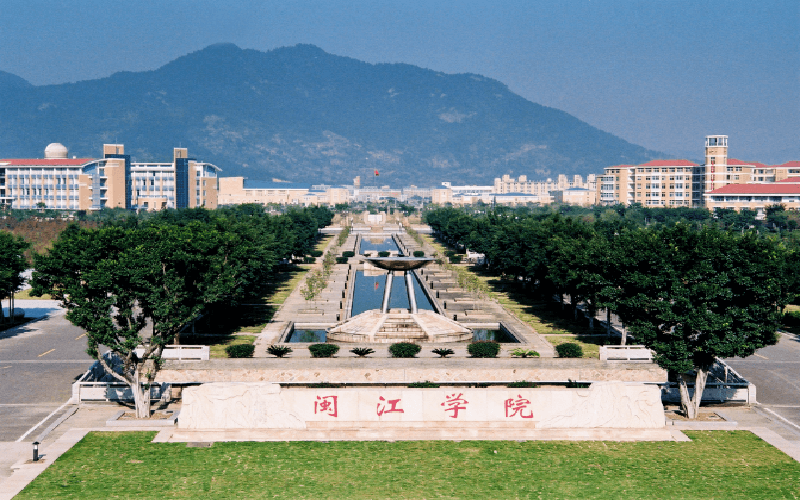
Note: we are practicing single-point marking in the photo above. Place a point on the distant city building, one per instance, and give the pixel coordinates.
(670, 183)
(60, 182)
(238, 190)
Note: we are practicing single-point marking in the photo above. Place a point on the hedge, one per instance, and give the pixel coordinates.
(569, 350)
(484, 349)
(323, 350)
(404, 350)
(240, 350)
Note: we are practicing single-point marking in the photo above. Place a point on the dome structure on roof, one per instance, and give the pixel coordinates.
(56, 150)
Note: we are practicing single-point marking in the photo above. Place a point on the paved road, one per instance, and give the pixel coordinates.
(776, 372)
(39, 361)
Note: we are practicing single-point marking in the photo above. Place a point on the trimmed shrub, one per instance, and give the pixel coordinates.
(383, 253)
(324, 385)
(240, 350)
(524, 353)
(404, 350)
(279, 350)
(361, 351)
(455, 259)
(348, 254)
(522, 384)
(309, 260)
(443, 353)
(419, 253)
(323, 350)
(316, 253)
(569, 350)
(423, 385)
(341, 260)
(484, 349)
(449, 253)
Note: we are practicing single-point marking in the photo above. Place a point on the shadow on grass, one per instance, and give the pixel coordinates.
(551, 318)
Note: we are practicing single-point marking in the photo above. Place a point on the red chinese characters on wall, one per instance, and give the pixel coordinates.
(392, 406)
(518, 407)
(454, 403)
(326, 405)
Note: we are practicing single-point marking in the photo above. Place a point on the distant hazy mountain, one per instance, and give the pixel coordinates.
(301, 114)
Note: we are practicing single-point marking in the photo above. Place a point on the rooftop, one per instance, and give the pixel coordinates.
(669, 163)
(758, 189)
(45, 162)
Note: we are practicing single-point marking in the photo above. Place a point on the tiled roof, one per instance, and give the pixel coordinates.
(669, 163)
(771, 188)
(789, 164)
(48, 162)
(791, 180)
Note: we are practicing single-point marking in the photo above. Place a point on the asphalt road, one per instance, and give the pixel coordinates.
(775, 370)
(39, 361)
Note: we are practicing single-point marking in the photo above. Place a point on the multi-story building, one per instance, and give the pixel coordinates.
(756, 196)
(60, 182)
(508, 184)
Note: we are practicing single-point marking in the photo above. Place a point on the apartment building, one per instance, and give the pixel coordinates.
(508, 184)
(756, 196)
(59, 182)
(657, 183)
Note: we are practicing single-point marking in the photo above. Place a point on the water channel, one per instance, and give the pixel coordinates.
(368, 290)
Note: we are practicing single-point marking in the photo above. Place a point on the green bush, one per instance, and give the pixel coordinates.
(423, 385)
(309, 260)
(569, 350)
(341, 260)
(484, 349)
(455, 259)
(316, 253)
(323, 350)
(522, 384)
(279, 350)
(383, 253)
(524, 353)
(324, 385)
(240, 350)
(449, 253)
(404, 350)
(443, 353)
(348, 254)
(361, 351)
(419, 253)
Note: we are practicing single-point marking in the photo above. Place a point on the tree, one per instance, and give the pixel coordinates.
(12, 264)
(115, 280)
(692, 295)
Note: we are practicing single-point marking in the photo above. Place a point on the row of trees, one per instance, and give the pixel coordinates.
(135, 283)
(690, 292)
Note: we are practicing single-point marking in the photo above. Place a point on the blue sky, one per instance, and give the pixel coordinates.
(662, 74)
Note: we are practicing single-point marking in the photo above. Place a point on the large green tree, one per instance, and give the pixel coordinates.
(694, 295)
(132, 289)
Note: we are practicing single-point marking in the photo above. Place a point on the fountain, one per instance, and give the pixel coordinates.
(391, 325)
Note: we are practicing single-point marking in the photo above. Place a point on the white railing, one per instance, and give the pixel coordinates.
(112, 391)
(626, 354)
(182, 352)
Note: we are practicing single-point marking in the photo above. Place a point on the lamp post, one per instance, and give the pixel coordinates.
(36, 451)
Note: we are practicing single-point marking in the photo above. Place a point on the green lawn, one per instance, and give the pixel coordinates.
(26, 295)
(716, 465)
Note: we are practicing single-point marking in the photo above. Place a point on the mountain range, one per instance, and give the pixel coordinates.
(301, 114)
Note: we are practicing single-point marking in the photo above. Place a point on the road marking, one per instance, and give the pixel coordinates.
(45, 419)
(48, 352)
(81, 336)
(3, 368)
(787, 421)
(760, 356)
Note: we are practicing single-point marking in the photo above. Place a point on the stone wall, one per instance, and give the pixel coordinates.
(250, 405)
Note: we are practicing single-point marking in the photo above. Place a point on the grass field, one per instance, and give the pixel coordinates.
(26, 295)
(715, 465)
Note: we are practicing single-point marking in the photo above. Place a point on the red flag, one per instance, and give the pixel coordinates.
(376, 173)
